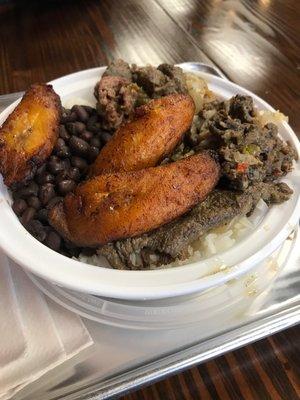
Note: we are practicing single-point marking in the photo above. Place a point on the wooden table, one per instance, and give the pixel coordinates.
(255, 43)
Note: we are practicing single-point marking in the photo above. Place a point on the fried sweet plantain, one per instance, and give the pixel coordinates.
(153, 133)
(28, 135)
(125, 204)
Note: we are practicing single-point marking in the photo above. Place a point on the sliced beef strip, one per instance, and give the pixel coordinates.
(171, 241)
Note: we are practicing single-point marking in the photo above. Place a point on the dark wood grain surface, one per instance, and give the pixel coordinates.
(256, 43)
(266, 370)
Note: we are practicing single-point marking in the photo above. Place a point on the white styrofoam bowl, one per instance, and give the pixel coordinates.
(23, 248)
(218, 306)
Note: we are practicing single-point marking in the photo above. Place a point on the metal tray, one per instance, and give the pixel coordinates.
(122, 359)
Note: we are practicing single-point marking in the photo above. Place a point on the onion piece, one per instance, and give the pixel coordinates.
(258, 213)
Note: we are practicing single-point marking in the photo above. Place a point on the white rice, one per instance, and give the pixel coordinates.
(216, 241)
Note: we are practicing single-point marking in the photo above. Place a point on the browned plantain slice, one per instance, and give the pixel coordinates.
(125, 204)
(155, 130)
(28, 135)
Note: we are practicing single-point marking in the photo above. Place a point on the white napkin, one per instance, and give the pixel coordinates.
(36, 334)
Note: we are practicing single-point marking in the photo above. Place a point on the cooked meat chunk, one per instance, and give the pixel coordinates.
(161, 81)
(119, 68)
(171, 241)
(273, 193)
(114, 206)
(242, 108)
(149, 78)
(116, 100)
(249, 152)
(151, 135)
(122, 88)
(176, 76)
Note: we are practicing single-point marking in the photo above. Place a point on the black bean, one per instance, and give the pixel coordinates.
(64, 252)
(32, 188)
(70, 173)
(19, 206)
(15, 195)
(45, 177)
(63, 133)
(53, 241)
(65, 186)
(28, 215)
(79, 163)
(65, 113)
(55, 200)
(79, 146)
(73, 116)
(53, 158)
(71, 128)
(37, 230)
(66, 163)
(93, 125)
(72, 252)
(34, 202)
(93, 118)
(87, 251)
(48, 228)
(42, 214)
(29, 190)
(69, 245)
(74, 174)
(46, 193)
(105, 136)
(64, 119)
(68, 116)
(41, 169)
(59, 143)
(93, 152)
(95, 141)
(61, 176)
(89, 110)
(72, 249)
(63, 152)
(55, 165)
(75, 128)
(82, 114)
(86, 135)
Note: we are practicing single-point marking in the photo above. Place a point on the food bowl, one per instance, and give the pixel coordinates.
(194, 277)
(213, 308)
